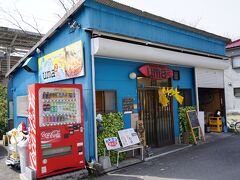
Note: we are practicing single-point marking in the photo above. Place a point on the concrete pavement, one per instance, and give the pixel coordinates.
(6, 173)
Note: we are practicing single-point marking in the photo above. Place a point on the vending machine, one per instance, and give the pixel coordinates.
(56, 129)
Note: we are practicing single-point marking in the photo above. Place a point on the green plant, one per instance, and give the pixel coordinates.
(3, 107)
(112, 123)
(183, 121)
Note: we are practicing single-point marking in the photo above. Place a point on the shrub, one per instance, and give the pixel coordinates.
(112, 123)
(183, 121)
(3, 107)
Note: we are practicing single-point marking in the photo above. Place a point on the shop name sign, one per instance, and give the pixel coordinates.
(62, 64)
(156, 72)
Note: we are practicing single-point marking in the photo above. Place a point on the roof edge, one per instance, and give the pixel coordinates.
(231, 44)
(154, 17)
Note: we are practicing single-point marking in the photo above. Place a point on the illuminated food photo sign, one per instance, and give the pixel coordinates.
(62, 64)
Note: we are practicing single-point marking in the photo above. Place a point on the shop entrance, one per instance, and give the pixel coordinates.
(158, 120)
(211, 100)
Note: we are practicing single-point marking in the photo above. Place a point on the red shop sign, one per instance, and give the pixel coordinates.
(156, 72)
(50, 136)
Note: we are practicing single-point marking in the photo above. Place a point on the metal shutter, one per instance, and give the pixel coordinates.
(209, 78)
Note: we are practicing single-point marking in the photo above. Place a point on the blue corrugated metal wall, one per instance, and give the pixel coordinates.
(118, 22)
(114, 75)
(186, 82)
(20, 81)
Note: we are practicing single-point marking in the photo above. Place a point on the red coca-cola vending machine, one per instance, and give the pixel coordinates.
(56, 129)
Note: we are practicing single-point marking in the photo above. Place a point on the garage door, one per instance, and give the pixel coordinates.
(209, 78)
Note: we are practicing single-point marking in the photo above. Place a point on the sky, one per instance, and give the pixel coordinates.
(216, 16)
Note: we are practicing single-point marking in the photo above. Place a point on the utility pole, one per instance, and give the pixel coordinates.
(8, 57)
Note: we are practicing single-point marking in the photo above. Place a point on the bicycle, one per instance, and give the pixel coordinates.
(237, 127)
(234, 125)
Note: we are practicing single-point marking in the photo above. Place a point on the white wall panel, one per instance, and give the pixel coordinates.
(22, 106)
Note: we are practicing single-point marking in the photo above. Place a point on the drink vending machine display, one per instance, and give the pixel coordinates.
(56, 128)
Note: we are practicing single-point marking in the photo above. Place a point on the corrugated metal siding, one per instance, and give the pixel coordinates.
(209, 78)
(144, 14)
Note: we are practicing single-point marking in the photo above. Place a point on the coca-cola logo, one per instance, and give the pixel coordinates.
(50, 136)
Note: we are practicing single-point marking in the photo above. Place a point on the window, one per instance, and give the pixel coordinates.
(187, 94)
(176, 75)
(106, 101)
(148, 82)
(236, 92)
(236, 62)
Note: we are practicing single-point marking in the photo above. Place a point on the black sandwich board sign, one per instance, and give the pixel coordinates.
(194, 124)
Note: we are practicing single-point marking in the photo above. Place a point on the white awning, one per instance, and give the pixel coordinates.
(134, 52)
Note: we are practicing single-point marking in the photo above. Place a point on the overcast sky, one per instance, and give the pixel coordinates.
(216, 16)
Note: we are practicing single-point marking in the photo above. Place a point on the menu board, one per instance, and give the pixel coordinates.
(59, 106)
(134, 119)
(127, 104)
(192, 116)
(194, 124)
(128, 137)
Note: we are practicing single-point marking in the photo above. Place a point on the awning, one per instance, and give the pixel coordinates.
(134, 52)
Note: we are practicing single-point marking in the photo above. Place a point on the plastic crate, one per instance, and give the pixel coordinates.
(216, 128)
(215, 124)
(215, 120)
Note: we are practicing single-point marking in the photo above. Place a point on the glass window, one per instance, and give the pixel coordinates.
(236, 62)
(106, 101)
(187, 94)
(236, 92)
(148, 82)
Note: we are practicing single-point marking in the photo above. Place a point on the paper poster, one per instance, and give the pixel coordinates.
(111, 143)
(134, 119)
(128, 137)
(62, 64)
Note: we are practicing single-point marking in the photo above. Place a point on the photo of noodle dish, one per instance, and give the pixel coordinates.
(74, 60)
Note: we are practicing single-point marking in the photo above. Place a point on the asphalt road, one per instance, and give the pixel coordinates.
(218, 160)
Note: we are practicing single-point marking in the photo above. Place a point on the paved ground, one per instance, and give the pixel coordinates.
(217, 160)
(6, 173)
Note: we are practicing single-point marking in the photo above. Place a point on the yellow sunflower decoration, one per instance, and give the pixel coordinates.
(165, 93)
